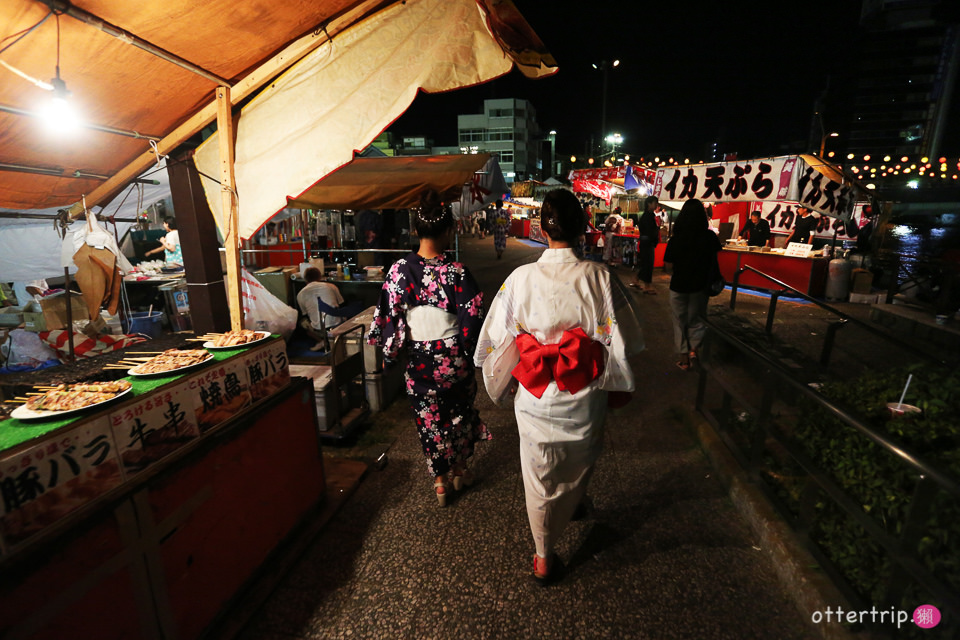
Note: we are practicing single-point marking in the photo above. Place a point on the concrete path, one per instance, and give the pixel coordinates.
(663, 555)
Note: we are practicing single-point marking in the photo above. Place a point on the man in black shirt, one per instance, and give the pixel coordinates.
(803, 226)
(756, 231)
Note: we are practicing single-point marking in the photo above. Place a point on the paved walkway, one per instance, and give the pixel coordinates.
(664, 554)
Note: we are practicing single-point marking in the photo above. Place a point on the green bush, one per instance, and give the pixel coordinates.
(880, 481)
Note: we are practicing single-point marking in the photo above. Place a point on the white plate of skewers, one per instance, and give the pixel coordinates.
(234, 339)
(68, 399)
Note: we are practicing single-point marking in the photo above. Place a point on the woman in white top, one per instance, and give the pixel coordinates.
(431, 308)
(170, 243)
(563, 328)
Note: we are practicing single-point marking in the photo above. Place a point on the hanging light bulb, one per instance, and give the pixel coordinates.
(58, 114)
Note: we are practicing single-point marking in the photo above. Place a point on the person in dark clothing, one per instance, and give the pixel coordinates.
(803, 226)
(865, 232)
(693, 252)
(756, 231)
(649, 228)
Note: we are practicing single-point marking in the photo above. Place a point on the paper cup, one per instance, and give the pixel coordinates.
(902, 410)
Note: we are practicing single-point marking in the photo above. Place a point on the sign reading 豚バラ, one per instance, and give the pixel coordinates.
(267, 369)
(155, 426)
(44, 483)
(771, 179)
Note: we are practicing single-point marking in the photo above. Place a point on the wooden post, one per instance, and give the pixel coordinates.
(231, 210)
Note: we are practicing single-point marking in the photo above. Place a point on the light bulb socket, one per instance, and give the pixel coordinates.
(59, 88)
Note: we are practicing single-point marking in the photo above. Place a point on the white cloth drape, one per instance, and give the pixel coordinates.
(343, 95)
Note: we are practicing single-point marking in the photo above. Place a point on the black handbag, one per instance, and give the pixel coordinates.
(716, 283)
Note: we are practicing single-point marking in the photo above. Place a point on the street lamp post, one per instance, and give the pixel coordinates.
(613, 140)
(823, 140)
(604, 66)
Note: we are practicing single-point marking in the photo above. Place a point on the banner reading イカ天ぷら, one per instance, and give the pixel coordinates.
(805, 179)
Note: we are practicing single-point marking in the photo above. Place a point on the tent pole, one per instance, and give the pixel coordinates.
(66, 293)
(231, 210)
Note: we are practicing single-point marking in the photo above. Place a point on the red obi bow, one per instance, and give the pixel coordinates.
(574, 362)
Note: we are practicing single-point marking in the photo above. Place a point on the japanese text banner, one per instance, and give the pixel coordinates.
(774, 179)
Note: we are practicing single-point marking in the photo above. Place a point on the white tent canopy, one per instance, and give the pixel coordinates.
(344, 94)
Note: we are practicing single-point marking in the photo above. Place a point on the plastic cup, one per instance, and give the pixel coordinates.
(899, 411)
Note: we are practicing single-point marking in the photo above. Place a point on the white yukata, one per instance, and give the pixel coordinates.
(561, 432)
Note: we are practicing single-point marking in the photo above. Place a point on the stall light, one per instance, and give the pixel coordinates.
(904, 159)
(855, 169)
(871, 186)
(886, 158)
(924, 159)
(942, 160)
(627, 158)
(943, 175)
(590, 161)
(573, 158)
(866, 158)
(866, 167)
(686, 161)
(897, 167)
(896, 173)
(830, 154)
(913, 184)
(850, 156)
(607, 163)
(907, 170)
(657, 159)
(954, 176)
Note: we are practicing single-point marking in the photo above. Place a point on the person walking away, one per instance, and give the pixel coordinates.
(649, 229)
(756, 231)
(692, 250)
(431, 308)
(563, 327)
(501, 224)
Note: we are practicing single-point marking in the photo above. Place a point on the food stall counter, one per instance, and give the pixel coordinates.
(808, 275)
(142, 517)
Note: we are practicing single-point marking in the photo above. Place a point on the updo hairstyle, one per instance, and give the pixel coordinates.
(433, 218)
(561, 216)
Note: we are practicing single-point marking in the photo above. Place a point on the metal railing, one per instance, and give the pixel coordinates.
(780, 387)
(830, 337)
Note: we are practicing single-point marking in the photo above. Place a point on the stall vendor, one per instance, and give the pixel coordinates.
(803, 226)
(756, 231)
(170, 243)
(314, 322)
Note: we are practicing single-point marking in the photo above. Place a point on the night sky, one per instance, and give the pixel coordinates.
(744, 74)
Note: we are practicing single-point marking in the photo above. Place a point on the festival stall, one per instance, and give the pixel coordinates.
(622, 186)
(159, 508)
(773, 186)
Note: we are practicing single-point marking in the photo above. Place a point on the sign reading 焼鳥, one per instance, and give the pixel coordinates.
(793, 178)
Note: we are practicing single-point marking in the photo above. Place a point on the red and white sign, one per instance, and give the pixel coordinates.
(44, 483)
(152, 428)
(770, 179)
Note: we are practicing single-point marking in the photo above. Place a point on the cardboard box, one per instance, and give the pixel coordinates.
(50, 313)
(10, 317)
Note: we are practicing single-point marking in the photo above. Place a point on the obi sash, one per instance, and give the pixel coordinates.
(573, 363)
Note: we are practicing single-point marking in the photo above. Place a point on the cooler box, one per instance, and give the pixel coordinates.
(323, 390)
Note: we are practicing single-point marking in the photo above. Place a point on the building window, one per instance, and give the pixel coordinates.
(501, 113)
(471, 135)
(503, 156)
(499, 134)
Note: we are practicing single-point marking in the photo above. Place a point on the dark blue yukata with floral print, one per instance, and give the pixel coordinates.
(440, 379)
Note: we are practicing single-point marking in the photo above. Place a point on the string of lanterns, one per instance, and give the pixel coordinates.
(943, 168)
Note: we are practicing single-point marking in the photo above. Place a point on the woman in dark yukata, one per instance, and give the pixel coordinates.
(431, 308)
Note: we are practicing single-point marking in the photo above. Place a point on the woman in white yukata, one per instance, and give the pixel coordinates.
(563, 327)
